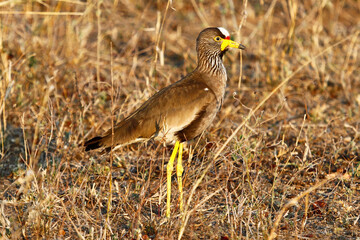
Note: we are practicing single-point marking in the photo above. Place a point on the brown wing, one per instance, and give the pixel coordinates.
(162, 109)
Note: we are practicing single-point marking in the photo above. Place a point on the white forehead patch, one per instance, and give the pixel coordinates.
(224, 31)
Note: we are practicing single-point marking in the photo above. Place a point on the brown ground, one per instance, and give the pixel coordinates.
(303, 143)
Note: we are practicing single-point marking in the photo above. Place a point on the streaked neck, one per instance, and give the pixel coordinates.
(211, 63)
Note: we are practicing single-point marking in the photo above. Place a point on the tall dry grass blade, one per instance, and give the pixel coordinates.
(98, 45)
(200, 13)
(159, 29)
(42, 13)
(6, 88)
(112, 118)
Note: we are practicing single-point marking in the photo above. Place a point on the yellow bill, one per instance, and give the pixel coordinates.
(231, 44)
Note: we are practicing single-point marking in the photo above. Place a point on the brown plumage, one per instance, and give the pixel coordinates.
(184, 109)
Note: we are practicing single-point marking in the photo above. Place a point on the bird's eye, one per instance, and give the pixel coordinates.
(217, 39)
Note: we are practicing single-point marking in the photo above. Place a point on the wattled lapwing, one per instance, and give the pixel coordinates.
(181, 111)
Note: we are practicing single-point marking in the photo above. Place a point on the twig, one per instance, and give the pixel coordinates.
(295, 200)
(187, 215)
(72, 223)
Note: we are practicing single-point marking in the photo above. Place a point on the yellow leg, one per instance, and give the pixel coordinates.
(170, 168)
(179, 172)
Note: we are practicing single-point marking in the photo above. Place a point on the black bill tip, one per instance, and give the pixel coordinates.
(242, 47)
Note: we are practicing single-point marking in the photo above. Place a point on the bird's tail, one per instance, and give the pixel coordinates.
(125, 132)
(94, 143)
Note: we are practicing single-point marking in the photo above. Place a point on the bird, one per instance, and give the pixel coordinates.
(181, 111)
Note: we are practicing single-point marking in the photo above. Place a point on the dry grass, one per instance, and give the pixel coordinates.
(281, 160)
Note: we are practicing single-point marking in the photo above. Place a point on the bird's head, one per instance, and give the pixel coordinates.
(215, 40)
